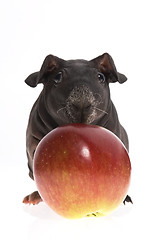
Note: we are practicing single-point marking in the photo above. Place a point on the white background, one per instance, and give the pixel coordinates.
(129, 32)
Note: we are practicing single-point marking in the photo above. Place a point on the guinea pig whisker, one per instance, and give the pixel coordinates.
(61, 109)
(101, 110)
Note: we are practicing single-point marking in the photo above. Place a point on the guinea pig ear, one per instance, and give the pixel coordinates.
(107, 66)
(49, 65)
(32, 80)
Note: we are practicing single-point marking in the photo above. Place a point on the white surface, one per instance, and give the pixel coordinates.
(129, 31)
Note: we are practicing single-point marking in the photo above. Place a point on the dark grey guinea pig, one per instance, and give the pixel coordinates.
(75, 91)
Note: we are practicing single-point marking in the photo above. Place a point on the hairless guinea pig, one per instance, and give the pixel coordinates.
(75, 91)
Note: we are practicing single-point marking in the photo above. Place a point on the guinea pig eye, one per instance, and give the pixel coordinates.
(58, 78)
(101, 77)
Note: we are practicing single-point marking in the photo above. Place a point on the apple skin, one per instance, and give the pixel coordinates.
(82, 170)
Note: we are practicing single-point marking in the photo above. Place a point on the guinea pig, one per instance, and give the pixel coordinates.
(75, 91)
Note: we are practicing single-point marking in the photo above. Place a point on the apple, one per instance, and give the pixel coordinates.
(82, 170)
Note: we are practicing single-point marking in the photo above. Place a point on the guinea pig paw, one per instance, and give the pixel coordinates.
(127, 199)
(34, 198)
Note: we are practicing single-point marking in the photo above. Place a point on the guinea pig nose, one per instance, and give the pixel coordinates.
(87, 107)
(80, 106)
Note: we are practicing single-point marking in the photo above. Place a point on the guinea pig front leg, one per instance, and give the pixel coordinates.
(33, 198)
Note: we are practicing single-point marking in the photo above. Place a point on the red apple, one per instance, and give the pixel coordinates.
(82, 170)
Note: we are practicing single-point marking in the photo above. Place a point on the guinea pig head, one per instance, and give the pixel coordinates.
(76, 91)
